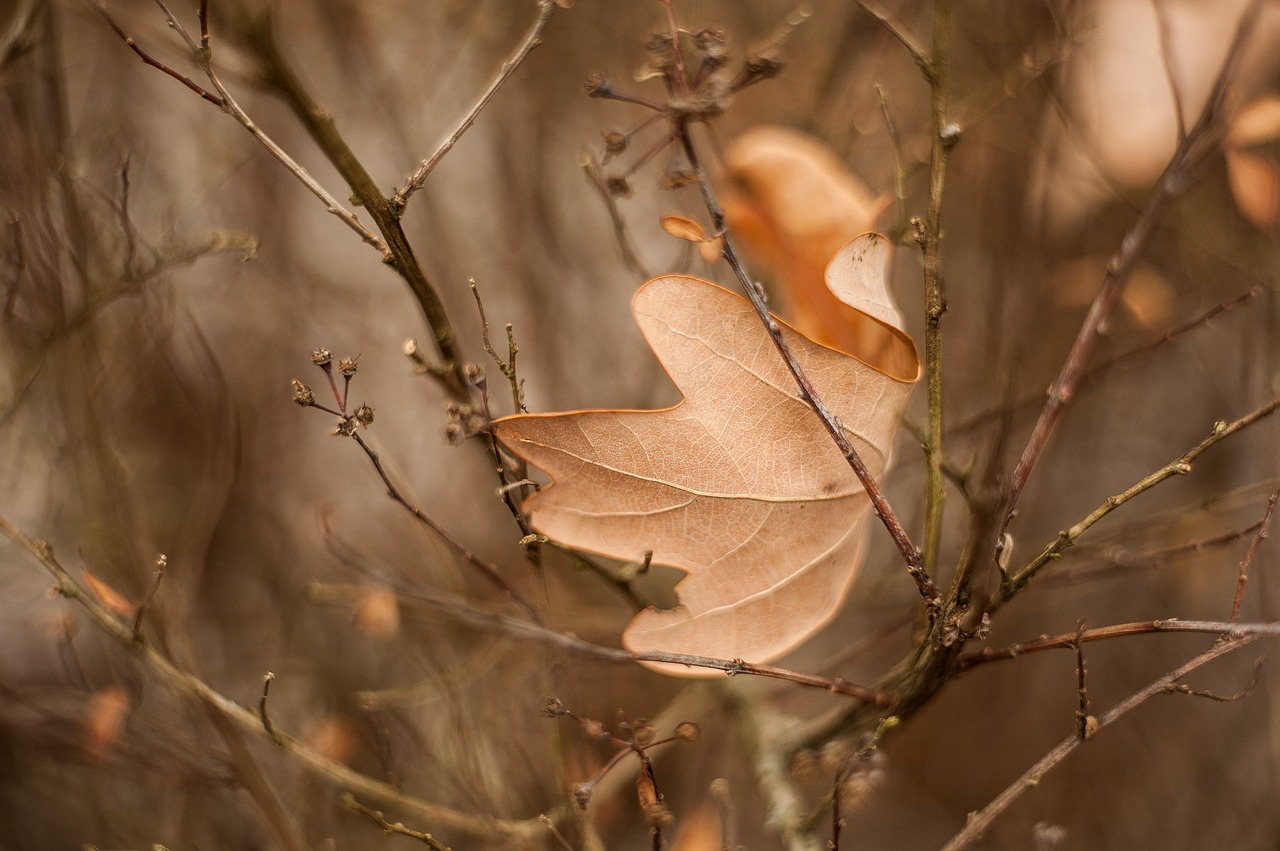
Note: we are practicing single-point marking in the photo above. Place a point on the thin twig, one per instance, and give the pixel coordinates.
(622, 235)
(1133, 354)
(899, 165)
(1223, 629)
(531, 40)
(1166, 57)
(1258, 538)
(224, 101)
(1086, 724)
(190, 686)
(398, 251)
(895, 29)
(161, 563)
(1179, 467)
(943, 137)
(270, 728)
(461, 611)
(156, 63)
(1177, 178)
(755, 294)
(489, 571)
(978, 822)
(349, 801)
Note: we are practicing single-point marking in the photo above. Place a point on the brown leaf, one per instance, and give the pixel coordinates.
(793, 204)
(739, 484)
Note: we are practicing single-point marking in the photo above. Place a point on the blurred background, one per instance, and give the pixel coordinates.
(163, 279)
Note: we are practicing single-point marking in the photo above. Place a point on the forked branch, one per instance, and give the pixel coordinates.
(1194, 149)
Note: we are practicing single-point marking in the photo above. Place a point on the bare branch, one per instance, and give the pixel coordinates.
(1224, 630)
(895, 29)
(531, 40)
(1258, 538)
(349, 801)
(1180, 467)
(1177, 178)
(978, 822)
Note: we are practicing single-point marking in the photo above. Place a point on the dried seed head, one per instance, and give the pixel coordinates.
(619, 185)
(348, 366)
(553, 708)
(688, 731)
(713, 44)
(678, 172)
(582, 794)
(615, 142)
(595, 729)
(643, 732)
(346, 427)
(598, 86)
(302, 394)
(321, 357)
(658, 44)
(764, 65)
(363, 415)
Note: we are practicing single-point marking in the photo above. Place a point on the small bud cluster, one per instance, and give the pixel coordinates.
(303, 395)
(694, 66)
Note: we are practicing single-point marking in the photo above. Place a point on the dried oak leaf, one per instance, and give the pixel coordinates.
(738, 485)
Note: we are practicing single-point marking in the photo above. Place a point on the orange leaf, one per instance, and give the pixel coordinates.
(739, 484)
(377, 612)
(108, 596)
(793, 204)
(104, 721)
(1252, 168)
(683, 228)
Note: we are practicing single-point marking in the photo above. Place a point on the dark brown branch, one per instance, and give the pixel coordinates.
(1201, 141)
(323, 130)
(1258, 538)
(755, 294)
(1086, 724)
(1069, 640)
(156, 63)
